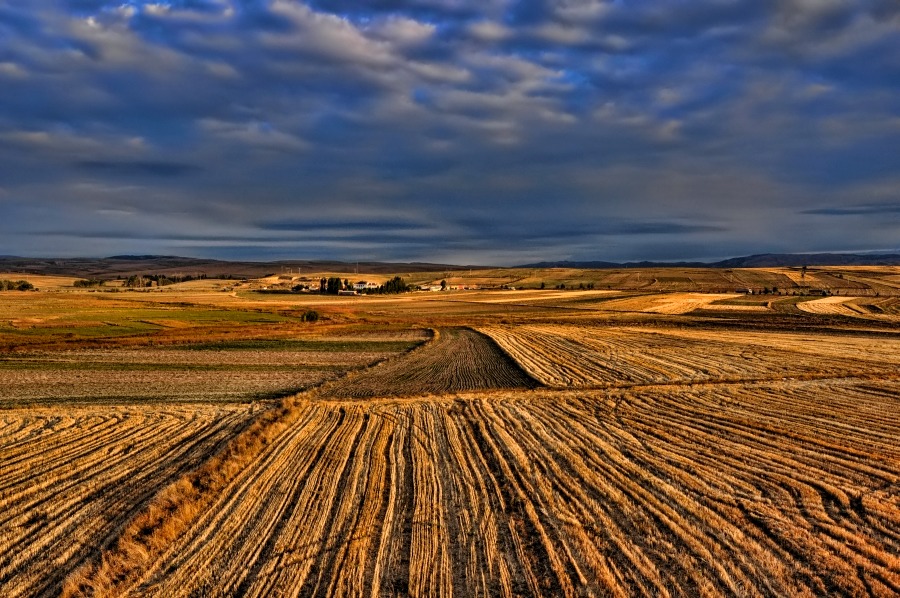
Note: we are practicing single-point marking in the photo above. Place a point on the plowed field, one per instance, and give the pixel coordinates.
(456, 359)
(204, 375)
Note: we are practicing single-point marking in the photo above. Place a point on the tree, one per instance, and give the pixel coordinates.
(443, 285)
(136, 281)
(395, 285)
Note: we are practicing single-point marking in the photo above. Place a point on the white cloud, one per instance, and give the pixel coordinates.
(327, 37)
(489, 31)
(256, 134)
(12, 70)
(402, 30)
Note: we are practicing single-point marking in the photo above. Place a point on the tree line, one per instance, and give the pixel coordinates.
(160, 280)
(333, 285)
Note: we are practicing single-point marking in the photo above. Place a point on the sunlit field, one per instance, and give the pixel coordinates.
(638, 432)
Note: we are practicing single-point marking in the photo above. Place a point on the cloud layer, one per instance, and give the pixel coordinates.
(443, 130)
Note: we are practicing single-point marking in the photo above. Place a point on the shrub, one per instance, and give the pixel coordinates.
(18, 285)
(88, 283)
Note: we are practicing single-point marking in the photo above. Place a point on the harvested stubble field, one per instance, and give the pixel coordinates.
(71, 478)
(567, 355)
(744, 489)
(674, 453)
(854, 307)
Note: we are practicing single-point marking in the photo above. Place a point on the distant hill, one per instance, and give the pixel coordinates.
(126, 265)
(592, 265)
(764, 260)
(770, 260)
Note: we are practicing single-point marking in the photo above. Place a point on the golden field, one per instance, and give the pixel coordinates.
(658, 435)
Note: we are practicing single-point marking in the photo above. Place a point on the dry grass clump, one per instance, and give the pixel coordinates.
(175, 509)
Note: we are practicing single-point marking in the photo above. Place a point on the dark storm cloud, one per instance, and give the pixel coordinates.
(337, 225)
(661, 228)
(498, 131)
(159, 169)
(864, 210)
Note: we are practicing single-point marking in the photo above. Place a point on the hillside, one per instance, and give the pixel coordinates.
(763, 260)
(126, 265)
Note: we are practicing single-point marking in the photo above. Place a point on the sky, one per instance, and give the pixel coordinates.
(470, 132)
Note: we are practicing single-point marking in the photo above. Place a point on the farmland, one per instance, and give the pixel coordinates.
(567, 356)
(177, 374)
(619, 441)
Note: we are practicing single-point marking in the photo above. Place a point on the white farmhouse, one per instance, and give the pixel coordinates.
(363, 285)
